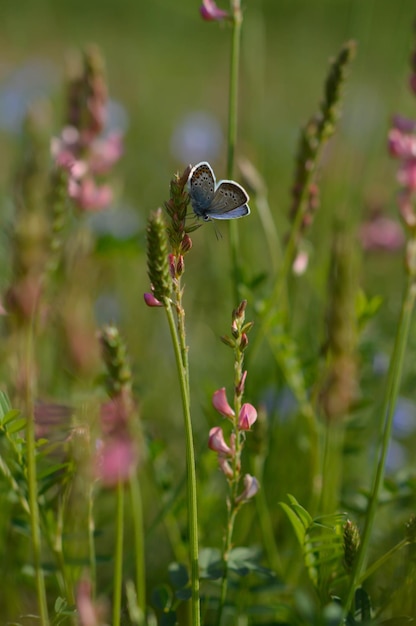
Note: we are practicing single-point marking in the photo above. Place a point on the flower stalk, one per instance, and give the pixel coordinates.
(165, 272)
(242, 417)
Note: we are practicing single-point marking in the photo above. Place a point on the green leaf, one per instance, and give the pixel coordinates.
(17, 425)
(184, 594)
(162, 597)
(178, 575)
(10, 416)
(285, 351)
(298, 527)
(4, 404)
(362, 604)
(210, 563)
(52, 470)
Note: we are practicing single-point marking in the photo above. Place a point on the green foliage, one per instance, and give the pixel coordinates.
(321, 542)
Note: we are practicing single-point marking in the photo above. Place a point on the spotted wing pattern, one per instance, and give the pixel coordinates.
(201, 188)
(230, 201)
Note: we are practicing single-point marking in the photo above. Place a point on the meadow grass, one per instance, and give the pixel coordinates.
(132, 490)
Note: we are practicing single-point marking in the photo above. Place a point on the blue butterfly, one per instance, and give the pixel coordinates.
(225, 201)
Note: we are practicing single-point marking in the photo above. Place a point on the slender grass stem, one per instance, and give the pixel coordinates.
(383, 559)
(183, 374)
(137, 508)
(118, 559)
(332, 466)
(33, 484)
(389, 404)
(91, 540)
(232, 137)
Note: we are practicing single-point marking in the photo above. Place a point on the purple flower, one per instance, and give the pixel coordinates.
(251, 487)
(220, 402)
(210, 12)
(151, 300)
(247, 416)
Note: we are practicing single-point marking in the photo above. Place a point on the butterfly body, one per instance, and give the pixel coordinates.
(226, 200)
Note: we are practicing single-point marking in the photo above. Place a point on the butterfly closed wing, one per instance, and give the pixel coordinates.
(225, 201)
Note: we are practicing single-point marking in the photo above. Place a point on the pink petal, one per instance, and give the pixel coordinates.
(225, 467)
(105, 153)
(220, 402)
(116, 460)
(210, 12)
(247, 417)
(151, 300)
(217, 443)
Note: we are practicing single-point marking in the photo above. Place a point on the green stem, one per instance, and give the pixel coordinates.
(389, 404)
(232, 512)
(232, 137)
(332, 466)
(190, 458)
(377, 564)
(137, 508)
(118, 559)
(33, 487)
(91, 540)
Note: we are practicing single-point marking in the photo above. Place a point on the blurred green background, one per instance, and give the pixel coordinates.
(168, 79)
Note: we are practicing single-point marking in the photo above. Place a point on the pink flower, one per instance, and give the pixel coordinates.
(220, 402)
(247, 416)
(210, 12)
(217, 443)
(406, 174)
(381, 233)
(225, 467)
(116, 460)
(89, 196)
(151, 300)
(105, 153)
(89, 613)
(251, 487)
(402, 144)
(300, 264)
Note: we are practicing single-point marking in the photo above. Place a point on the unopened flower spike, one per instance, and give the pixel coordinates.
(351, 543)
(176, 209)
(305, 192)
(157, 258)
(115, 358)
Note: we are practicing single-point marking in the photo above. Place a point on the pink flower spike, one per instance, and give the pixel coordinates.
(151, 300)
(116, 460)
(220, 402)
(247, 417)
(210, 12)
(217, 443)
(105, 153)
(89, 196)
(251, 487)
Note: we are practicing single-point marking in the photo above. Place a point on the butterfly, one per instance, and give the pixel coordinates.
(225, 201)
